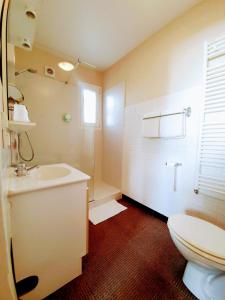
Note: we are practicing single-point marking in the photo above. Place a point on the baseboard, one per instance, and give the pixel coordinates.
(147, 209)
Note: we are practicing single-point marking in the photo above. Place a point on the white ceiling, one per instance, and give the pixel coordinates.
(103, 31)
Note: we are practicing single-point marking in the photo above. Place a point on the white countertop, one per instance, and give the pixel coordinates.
(32, 182)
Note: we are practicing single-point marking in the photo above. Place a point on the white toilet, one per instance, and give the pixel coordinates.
(203, 245)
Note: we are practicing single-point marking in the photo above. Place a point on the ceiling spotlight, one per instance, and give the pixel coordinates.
(30, 10)
(66, 66)
(26, 44)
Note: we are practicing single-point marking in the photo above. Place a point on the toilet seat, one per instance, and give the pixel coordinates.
(203, 254)
(202, 244)
(200, 236)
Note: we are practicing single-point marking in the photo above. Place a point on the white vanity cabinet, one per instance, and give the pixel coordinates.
(49, 232)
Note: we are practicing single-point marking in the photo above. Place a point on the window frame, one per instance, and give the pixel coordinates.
(86, 86)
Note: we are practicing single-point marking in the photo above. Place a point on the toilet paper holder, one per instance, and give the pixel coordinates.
(175, 165)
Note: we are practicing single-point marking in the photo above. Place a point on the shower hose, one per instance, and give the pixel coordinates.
(19, 148)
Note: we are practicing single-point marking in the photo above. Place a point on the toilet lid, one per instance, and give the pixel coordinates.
(200, 234)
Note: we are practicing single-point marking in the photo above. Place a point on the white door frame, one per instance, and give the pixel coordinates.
(7, 287)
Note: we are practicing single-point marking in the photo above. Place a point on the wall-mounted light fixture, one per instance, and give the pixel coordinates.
(66, 66)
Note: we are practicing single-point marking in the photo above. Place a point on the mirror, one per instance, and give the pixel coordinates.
(15, 94)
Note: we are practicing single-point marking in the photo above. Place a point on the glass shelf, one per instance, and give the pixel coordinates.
(20, 127)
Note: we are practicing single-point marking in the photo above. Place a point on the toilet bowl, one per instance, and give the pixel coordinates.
(203, 246)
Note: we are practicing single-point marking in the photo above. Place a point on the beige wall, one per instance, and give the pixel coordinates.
(48, 100)
(39, 58)
(169, 62)
(166, 72)
(172, 59)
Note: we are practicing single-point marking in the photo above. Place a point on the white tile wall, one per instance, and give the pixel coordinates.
(145, 176)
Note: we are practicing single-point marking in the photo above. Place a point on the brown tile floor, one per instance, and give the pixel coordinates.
(131, 256)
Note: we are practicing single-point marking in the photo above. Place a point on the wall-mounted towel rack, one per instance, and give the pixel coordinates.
(186, 112)
(166, 125)
(210, 179)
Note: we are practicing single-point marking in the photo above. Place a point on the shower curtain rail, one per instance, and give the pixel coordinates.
(186, 112)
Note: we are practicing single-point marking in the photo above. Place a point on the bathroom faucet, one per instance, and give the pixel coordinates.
(33, 167)
(22, 169)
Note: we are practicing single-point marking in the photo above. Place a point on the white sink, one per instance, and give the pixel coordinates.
(43, 177)
(52, 172)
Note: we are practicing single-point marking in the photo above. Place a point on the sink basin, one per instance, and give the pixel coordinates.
(52, 172)
(43, 177)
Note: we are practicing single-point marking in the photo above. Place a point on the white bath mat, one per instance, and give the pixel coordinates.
(105, 211)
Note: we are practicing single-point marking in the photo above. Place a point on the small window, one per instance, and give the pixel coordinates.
(90, 109)
(90, 105)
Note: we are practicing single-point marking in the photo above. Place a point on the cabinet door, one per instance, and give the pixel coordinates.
(49, 229)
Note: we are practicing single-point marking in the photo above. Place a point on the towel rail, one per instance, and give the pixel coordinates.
(210, 180)
(186, 112)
